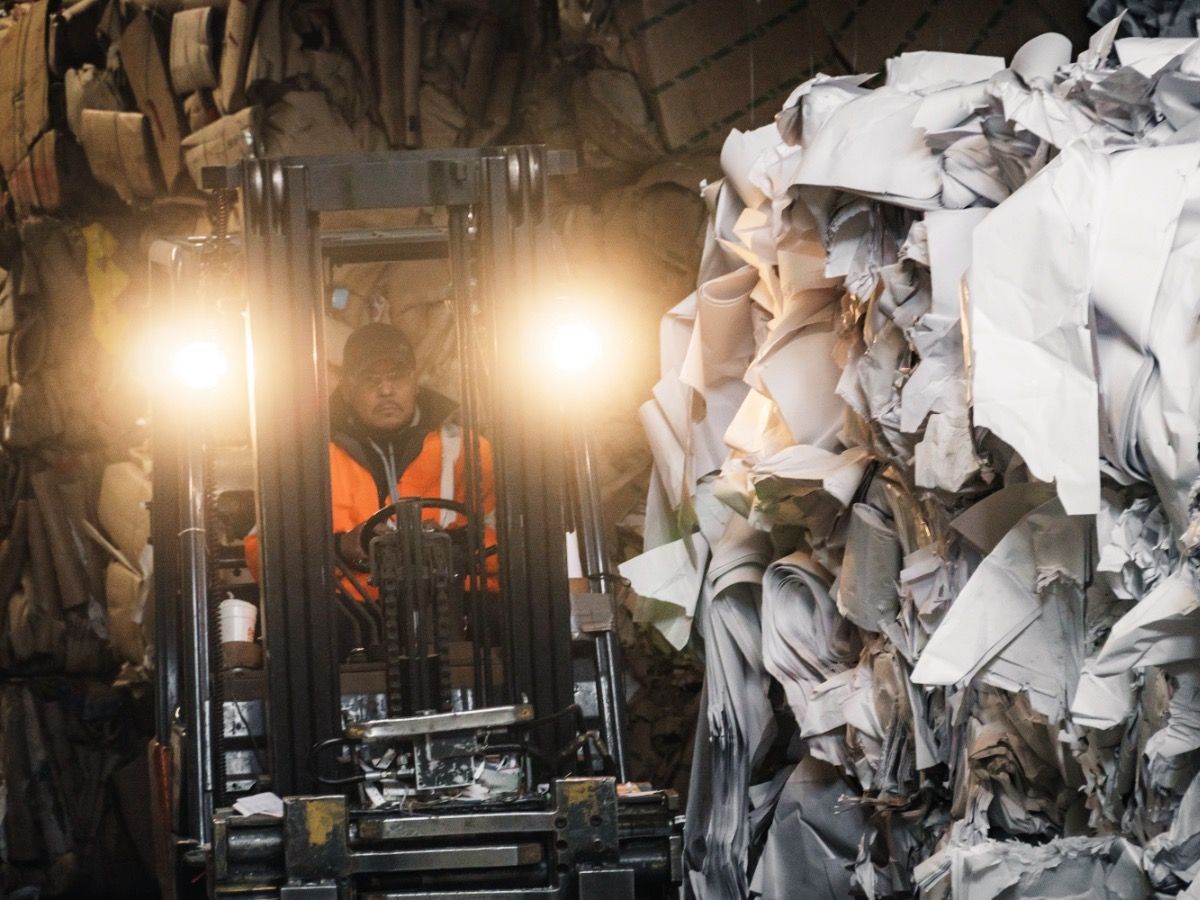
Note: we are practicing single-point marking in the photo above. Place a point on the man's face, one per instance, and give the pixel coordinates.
(384, 396)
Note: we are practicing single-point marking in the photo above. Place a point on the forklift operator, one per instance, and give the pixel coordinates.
(392, 439)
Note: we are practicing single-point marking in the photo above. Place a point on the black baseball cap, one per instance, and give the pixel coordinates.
(371, 343)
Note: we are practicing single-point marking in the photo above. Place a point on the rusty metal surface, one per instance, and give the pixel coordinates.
(315, 837)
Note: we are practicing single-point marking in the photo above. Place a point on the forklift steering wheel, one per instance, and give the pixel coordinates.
(382, 515)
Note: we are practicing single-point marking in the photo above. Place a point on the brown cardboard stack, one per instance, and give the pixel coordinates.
(120, 149)
(24, 86)
(194, 43)
(38, 157)
(124, 514)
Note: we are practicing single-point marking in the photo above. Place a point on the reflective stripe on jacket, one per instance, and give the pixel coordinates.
(438, 471)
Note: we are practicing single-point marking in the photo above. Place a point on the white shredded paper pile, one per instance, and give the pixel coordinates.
(925, 448)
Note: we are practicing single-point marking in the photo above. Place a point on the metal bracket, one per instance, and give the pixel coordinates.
(315, 838)
(440, 723)
(586, 824)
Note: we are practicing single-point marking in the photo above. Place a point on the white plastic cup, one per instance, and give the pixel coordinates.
(237, 619)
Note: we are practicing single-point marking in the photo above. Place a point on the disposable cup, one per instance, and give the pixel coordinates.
(237, 619)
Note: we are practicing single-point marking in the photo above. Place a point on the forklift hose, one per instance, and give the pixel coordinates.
(583, 740)
(347, 570)
(331, 782)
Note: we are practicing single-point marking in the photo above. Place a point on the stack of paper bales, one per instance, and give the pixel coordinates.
(925, 483)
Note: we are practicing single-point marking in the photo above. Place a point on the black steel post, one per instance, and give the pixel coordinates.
(469, 377)
(496, 265)
(291, 449)
(193, 551)
(164, 515)
(529, 451)
(609, 671)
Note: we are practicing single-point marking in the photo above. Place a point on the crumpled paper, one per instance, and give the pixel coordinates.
(943, 359)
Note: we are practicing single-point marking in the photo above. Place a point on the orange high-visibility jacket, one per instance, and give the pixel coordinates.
(438, 470)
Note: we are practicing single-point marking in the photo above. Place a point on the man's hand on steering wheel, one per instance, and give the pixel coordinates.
(354, 545)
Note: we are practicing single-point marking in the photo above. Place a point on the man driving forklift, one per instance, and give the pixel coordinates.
(391, 439)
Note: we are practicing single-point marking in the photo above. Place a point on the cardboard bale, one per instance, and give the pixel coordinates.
(302, 123)
(481, 70)
(24, 84)
(710, 67)
(453, 56)
(546, 112)
(199, 111)
(195, 42)
(396, 51)
(230, 94)
(224, 142)
(77, 565)
(354, 33)
(124, 507)
(120, 153)
(38, 183)
(45, 606)
(274, 51)
(88, 88)
(53, 266)
(8, 318)
(126, 593)
(502, 94)
(282, 59)
(443, 123)
(611, 113)
(145, 66)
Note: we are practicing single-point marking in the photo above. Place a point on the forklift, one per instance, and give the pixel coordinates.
(457, 730)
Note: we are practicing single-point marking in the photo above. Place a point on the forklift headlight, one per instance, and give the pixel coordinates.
(199, 364)
(577, 347)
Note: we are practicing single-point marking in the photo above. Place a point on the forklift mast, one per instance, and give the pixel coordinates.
(394, 782)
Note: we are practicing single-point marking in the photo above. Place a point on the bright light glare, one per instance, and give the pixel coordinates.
(576, 347)
(199, 365)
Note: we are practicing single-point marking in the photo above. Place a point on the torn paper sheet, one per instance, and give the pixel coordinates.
(867, 588)
(884, 117)
(1105, 868)
(1019, 620)
(1033, 377)
(814, 832)
(1164, 628)
(265, 804)
(671, 576)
